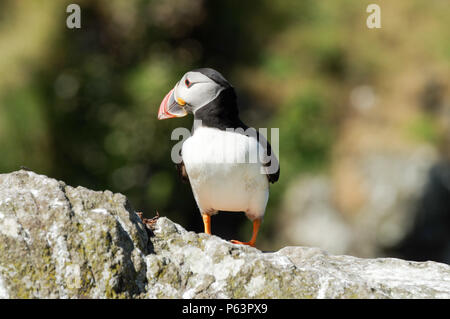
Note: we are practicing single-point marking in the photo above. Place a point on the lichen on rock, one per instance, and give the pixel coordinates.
(57, 241)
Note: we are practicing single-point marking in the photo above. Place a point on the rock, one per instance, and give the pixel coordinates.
(189, 265)
(57, 241)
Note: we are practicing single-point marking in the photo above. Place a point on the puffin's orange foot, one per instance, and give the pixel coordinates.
(248, 243)
(251, 243)
(207, 223)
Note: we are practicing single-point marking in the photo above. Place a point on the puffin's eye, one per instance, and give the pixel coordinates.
(187, 82)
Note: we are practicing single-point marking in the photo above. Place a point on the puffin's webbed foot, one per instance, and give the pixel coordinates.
(248, 243)
(256, 224)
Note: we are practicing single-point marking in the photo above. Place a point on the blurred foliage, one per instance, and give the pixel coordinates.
(423, 128)
(81, 105)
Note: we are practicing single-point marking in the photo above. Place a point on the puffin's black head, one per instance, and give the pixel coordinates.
(202, 90)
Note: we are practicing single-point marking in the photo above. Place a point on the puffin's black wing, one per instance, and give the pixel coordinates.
(272, 177)
(182, 172)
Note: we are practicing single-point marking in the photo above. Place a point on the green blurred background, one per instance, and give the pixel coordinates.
(80, 105)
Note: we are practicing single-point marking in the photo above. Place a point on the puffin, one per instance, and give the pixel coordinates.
(228, 164)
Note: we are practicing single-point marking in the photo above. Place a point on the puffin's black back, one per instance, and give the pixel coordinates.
(222, 112)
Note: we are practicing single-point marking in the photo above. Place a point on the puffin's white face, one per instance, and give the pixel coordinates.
(193, 91)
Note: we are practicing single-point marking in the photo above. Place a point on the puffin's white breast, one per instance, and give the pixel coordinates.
(225, 172)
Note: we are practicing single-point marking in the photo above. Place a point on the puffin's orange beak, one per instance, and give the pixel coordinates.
(171, 108)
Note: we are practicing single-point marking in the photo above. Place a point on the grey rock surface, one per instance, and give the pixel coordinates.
(57, 241)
